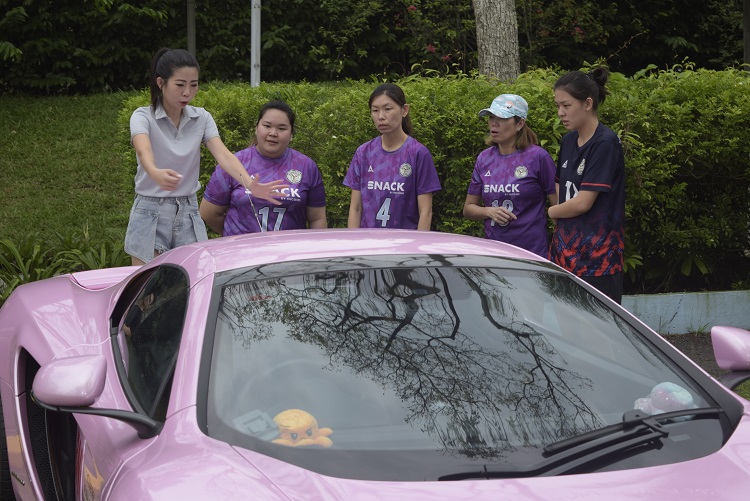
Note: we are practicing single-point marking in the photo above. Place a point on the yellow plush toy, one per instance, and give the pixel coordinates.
(298, 428)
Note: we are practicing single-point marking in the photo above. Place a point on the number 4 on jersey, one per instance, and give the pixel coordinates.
(384, 213)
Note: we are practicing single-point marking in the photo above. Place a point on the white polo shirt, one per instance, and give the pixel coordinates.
(174, 148)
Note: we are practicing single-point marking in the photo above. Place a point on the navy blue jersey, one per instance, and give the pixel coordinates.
(591, 244)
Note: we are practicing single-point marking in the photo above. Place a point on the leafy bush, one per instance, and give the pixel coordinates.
(79, 46)
(32, 258)
(94, 46)
(683, 131)
(688, 175)
(78, 252)
(23, 262)
(97, 45)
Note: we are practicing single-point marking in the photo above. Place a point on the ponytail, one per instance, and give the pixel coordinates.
(163, 64)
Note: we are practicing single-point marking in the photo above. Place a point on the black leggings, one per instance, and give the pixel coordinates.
(609, 285)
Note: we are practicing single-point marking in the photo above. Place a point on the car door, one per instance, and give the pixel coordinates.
(146, 326)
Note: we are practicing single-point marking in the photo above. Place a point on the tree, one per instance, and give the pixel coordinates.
(566, 32)
(497, 38)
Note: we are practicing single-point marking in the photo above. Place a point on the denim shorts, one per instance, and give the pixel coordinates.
(158, 224)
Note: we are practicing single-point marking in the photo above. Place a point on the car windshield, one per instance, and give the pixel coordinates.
(426, 366)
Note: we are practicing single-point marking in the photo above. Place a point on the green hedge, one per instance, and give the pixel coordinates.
(684, 132)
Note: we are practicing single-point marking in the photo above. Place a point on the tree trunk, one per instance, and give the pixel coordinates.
(497, 38)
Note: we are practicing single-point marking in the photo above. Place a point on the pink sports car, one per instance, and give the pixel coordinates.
(356, 364)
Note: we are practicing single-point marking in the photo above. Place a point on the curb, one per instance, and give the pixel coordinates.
(682, 313)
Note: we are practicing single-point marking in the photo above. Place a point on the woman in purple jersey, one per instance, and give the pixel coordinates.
(230, 209)
(392, 177)
(512, 180)
(589, 234)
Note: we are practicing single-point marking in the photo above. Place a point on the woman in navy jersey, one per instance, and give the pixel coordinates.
(229, 208)
(393, 176)
(512, 179)
(589, 235)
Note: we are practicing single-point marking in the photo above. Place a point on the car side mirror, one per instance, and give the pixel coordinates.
(732, 353)
(71, 382)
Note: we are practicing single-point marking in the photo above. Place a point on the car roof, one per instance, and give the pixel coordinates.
(239, 251)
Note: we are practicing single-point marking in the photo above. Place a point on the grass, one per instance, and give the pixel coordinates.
(743, 390)
(61, 168)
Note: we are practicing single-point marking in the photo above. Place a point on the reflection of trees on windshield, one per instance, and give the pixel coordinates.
(448, 341)
(240, 312)
(568, 292)
(543, 384)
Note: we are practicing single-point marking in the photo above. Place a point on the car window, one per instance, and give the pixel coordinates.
(149, 338)
(457, 363)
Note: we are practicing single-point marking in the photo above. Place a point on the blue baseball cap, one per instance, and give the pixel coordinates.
(506, 106)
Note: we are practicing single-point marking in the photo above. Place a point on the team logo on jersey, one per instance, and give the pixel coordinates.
(521, 172)
(489, 174)
(581, 167)
(502, 188)
(405, 170)
(394, 187)
(294, 176)
(371, 169)
(565, 165)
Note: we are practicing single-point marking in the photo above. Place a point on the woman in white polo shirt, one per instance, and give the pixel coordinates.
(167, 137)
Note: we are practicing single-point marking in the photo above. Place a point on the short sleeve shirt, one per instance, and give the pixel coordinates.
(591, 244)
(293, 168)
(520, 182)
(176, 148)
(391, 181)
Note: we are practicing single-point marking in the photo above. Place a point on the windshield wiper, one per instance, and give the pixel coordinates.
(561, 457)
(630, 419)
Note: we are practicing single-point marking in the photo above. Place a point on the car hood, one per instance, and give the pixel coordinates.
(182, 463)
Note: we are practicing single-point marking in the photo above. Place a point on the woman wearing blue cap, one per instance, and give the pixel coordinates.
(512, 179)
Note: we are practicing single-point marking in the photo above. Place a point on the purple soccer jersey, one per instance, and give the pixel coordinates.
(391, 181)
(293, 168)
(519, 182)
